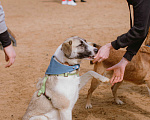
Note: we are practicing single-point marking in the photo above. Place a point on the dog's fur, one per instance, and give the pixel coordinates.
(137, 71)
(147, 41)
(63, 91)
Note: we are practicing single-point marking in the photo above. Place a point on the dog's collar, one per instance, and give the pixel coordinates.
(148, 45)
(67, 74)
(56, 68)
(42, 91)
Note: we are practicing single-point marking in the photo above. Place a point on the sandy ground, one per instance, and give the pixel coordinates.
(40, 27)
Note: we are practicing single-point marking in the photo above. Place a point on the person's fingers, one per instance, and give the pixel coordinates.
(116, 80)
(96, 59)
(9, 64)
(121, 78)
(9, 55)
(6, 58)
(11, 61)
(96, 55)
(101, 59)
(112, 79)
(116, 77)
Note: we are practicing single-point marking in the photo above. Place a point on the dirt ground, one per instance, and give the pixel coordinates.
(40, 27)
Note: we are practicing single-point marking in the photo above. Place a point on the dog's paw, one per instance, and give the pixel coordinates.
(88, 106)
(105, 79)
(119, 102)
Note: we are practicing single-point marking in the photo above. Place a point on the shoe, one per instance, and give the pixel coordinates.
(72, 3)
(83, 1)
(64, 2)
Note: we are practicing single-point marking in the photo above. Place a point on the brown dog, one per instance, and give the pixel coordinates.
(137, 71)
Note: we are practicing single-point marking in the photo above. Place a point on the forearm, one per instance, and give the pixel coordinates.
(132, 50)
(4, 36)
(3, 27)
(137, 34)
(141, 25)
(4, 39)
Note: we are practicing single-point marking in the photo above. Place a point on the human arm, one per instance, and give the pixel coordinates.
(133, 39)
(137, 34)
(5, 40)
(3, 27)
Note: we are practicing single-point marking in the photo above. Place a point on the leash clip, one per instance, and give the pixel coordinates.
(65, 74)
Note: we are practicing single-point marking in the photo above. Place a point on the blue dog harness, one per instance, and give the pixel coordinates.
(56, 68)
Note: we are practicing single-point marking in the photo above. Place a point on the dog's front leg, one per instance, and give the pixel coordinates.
(65, 114)
(88, 75)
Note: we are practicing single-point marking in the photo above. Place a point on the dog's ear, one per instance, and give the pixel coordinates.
(67, 48)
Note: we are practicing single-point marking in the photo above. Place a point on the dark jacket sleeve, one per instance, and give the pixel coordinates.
(5, 39)
(137, 34)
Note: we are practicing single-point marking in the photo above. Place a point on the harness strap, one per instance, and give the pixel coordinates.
(42, 90)
(43, 87)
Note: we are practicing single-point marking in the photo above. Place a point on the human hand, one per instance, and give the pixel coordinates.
(118, 71)
(9, 55)
(103, 53)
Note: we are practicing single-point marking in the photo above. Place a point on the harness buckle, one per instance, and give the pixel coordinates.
(65, 74)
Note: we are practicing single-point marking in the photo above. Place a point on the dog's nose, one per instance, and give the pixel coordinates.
(95, 50)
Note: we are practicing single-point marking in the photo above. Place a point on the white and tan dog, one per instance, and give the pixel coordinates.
(61, 90)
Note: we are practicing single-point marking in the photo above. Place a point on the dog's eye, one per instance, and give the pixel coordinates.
(81, 45)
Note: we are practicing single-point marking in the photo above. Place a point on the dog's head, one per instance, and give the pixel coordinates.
(77, 48)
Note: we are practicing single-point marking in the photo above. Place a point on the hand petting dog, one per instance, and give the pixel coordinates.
(118, 69)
